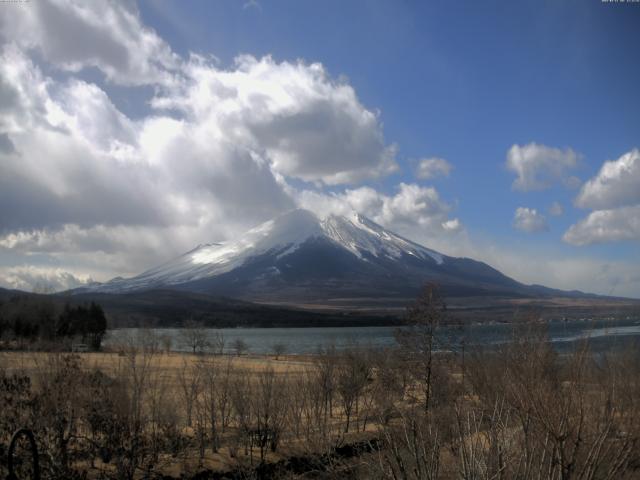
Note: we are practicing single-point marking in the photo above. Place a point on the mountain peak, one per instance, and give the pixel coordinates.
(296, 215)
(354, 235)
(299, 257)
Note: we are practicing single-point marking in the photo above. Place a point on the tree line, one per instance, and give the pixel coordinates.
(43, 320)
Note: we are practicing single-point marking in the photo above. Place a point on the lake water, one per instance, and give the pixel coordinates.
(602, 334)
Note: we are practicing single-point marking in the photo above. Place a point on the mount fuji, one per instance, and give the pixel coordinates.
(299, 258)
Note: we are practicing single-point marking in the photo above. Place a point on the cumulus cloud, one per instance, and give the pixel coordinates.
(433, 167)
(82, 184)
(413, 210)
(79, 160)
(538, 167)
(606, 226)
(109, 35)
(614, 196)
(529, 220)
(97, 193)
(616, 184)
(306, 124)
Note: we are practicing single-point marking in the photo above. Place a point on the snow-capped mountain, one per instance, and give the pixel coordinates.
(298, 256)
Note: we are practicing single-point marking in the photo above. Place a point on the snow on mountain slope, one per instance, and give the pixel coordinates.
(288, 230)
(359, 235)
(279, 237)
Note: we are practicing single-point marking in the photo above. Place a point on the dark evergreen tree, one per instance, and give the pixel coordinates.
(96, 325)
(33, 318)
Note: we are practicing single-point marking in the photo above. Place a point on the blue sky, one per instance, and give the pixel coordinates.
(463, 81)
(460, 81)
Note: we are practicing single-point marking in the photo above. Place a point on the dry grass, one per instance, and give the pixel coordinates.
(165, 380)
(169, 363)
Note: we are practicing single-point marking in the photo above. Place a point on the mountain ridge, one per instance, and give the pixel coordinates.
(299, 257)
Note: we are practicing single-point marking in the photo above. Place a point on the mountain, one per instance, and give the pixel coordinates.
(298, 258)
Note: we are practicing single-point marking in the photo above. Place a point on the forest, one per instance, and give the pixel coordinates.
(45, 323)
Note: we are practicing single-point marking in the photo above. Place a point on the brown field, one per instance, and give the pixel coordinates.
(519, 412)
(168, 363)
(170, 375)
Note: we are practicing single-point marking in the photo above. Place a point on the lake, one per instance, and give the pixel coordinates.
(602, 334)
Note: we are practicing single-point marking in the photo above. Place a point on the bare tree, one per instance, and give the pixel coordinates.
(214, 398)
(60, 382)
(223, 392)
(418, 337)
(137, 373)
(161, 429)
(166, 341)
(194, 336)
(389, 386)
(544, 416)
(269, 407)
(217, 343)
(412, 448)
(189, 381)
(308, 409)
(353, 374)
(240, 395)
(240, 346)
(325, 363)
(279, 349)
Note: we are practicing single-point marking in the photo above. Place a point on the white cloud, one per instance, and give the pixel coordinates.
(453, 225)
(82, 184)
(616, 184)
(539, 166)
(39, 279)
(82, 174)
(544, 265)
(107, 251)
(557, 270)
(252, 4)
(556, 209)
(93, 193)
(415, 211)
(529, 220)
(614, 196)
(433, 167)
(304, 123)
(602, 226)
(109, 35)
(70, 136)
